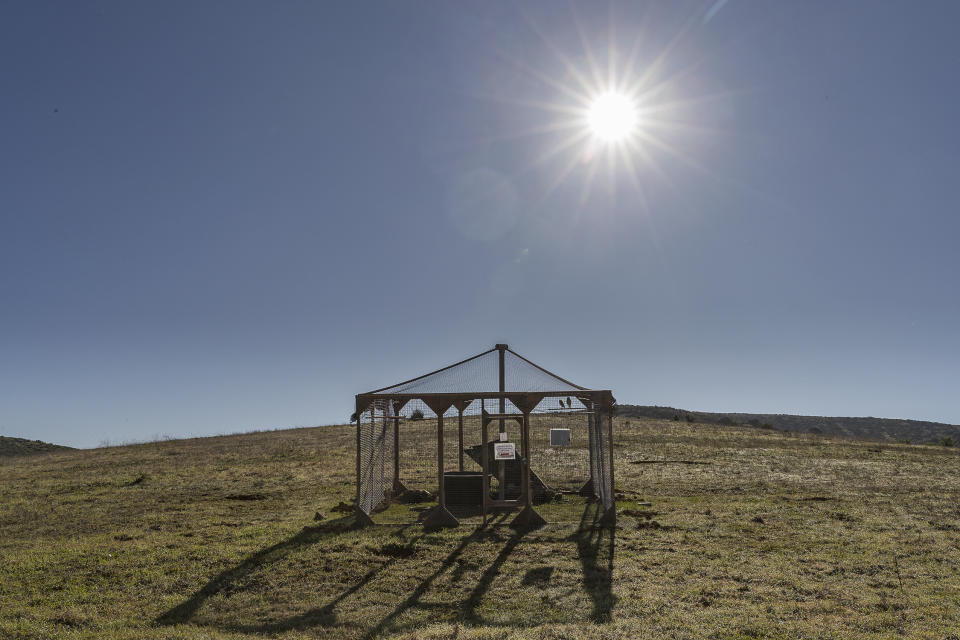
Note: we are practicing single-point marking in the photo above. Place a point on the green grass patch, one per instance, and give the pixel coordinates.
(780, 536)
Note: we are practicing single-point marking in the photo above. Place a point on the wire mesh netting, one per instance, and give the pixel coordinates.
(560, 443)
(480, 374)
(601, 451)
(375, 440)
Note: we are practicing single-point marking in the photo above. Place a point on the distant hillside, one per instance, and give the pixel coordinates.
(916, 431)
(23, 447)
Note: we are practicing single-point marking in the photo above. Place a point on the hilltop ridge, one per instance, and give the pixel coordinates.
(10, 446)
(891, 429)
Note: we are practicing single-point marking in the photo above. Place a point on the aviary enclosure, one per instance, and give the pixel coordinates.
(488, 434)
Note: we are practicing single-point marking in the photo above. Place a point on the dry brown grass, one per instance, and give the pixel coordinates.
(773, 535)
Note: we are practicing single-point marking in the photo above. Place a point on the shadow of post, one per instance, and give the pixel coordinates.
(414, 598)
(308, 535)
(469, 610)
(595, 548)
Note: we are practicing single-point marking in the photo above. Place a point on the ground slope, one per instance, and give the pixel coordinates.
(892, 429)
(23, 447)
(749, 533)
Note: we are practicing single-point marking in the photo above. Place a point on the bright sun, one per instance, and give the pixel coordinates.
(607, 113)
(612, 116)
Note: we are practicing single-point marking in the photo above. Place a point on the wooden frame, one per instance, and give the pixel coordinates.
(596, 401)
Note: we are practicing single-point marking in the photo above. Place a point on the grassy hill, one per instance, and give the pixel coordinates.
(748, 533)
(22, 447)
(917, 431)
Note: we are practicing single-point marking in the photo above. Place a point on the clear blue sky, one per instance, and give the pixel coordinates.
(223, 216)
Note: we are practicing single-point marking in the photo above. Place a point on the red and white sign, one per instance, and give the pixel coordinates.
(504, 451)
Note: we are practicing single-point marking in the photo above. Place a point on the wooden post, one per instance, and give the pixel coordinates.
(613, 493)
(610, 515)
(440, 516)
(381, 445)
(588, 490)
(527, 516)
(359, 453)
(591, 417)
(526, 460)
(396, 450)
(503, 399)
(460, 432)
(441, 494)
(501, 348)
(397, 485)
(485, 485)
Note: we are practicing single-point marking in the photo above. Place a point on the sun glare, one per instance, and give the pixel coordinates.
(609, 113)
(612, 116)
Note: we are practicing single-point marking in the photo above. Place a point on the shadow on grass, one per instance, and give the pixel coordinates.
(225, 581)
(468, 610)
(594, 548)
(469, 606)
(595, 545)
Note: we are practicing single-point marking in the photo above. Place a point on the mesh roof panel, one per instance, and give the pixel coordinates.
(521, 375)
(480, 374)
